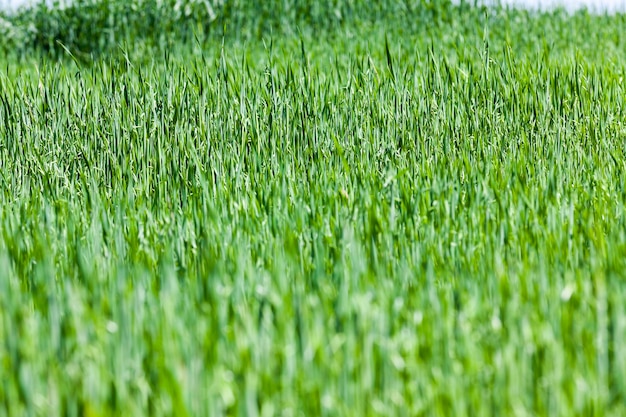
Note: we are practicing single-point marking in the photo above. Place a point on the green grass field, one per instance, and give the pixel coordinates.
(292, 208)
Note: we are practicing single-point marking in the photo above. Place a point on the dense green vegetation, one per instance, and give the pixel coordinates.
(312, 208)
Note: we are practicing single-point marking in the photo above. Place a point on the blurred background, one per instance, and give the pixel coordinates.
(599, 6)
(572, 5)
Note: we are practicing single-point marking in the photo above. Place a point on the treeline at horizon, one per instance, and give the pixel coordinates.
(96, 26)
(89, 28)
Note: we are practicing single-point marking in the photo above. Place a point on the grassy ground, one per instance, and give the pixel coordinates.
(285, 213)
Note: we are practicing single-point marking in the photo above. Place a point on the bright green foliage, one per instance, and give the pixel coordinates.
(370, 218)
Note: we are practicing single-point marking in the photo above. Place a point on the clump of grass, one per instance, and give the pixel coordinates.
(377, 220)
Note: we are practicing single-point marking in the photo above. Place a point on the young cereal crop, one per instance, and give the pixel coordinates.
(410, 208)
